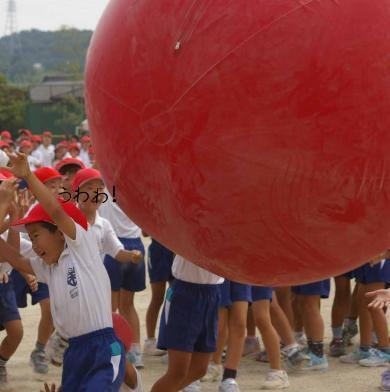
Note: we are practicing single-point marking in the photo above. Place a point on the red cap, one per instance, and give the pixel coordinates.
(73, 146)
(38, 214)
(36, 138)
(85, 139)
(5, 174)
(47, 133)
(25, 132)
(3, 144)
(6, 134)
(69, 161)
(26, 143)
(45, 174)
(83, 176)
(63, 144)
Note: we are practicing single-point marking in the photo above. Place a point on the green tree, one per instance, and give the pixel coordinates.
(69, 112)
(13, 103)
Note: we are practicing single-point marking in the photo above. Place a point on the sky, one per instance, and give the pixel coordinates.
(52, 14)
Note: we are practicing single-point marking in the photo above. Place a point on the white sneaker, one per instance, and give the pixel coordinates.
(150, 348)
(251, 346)
(276, 379)
(164, 359)
(136, 359)
(55, 348)
(214, 373)
(228, 385)
(193, 387)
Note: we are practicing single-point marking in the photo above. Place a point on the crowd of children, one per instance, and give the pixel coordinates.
(82, 260)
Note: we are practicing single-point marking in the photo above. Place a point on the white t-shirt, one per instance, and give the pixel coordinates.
(84, 157)
(189, 272)
(5, 267)
(123, 226)
(34, 162)
(105, 237)
(47, 154)
(80, 290)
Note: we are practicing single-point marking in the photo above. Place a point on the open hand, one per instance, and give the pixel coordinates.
(380, 298)
(20, 167)
(8, 190)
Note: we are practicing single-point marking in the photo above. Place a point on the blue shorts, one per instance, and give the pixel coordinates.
(160, 263)
(234, 292)
(94, 362)
(375, 274)
(8, 308)
(22, 289)
(189, 320)
(261, 293)
(348, 275)
(321, 288)
(127, 276)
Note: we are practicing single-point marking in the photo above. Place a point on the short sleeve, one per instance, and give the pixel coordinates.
(81, 233)
(41, 270)
(110, 242)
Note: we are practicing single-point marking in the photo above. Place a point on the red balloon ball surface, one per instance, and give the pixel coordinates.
(251, 137)
(122, 330)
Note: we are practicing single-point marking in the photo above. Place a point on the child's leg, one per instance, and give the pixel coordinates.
(378, 317)
(10, 343)
(262, 317)
(197, 369)
(222, 335)
(179, 363)
(341, 304)
(365, 320)
(250, 324)
(45, 328)
(280, 322)
(298, 320)
(158, 292)
(236, 336)
(128, 311)
(285, 302)
(115, 300)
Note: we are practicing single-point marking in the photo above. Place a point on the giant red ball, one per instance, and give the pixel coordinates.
(252, 137)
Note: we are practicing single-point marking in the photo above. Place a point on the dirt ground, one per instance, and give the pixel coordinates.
(338, 378)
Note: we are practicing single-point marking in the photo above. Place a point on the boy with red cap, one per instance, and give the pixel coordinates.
(68, 260)
(74, 150)
(60, 152)
(68, 168)
(46, 149)
(26, 147)
(6, 136)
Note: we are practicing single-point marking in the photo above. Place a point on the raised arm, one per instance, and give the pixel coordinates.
(48, 201)
(13, 257)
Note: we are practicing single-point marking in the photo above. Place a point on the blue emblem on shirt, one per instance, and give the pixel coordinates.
(72, 279)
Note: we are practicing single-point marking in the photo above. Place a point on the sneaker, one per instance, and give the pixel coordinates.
(194, 387)
(228, 385)
(336, 348)
(55, 349)
(301, 340)
(150, 348)
(295, 359)
(136, 359)
(355, 356)
(214, 373)
(251, 346)
(316, 363)
(262, 357)
(164, 359)
(39, 362)
(349, 332)
(385, 381)
(3, 375)
(276, 379)
(375, 358)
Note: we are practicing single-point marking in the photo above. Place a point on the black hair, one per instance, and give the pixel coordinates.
(49, 226)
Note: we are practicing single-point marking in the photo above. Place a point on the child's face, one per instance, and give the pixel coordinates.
(47, 245)
(46, 140)
(68, 172)
(54, 185)
(74, 152)
(91, 187)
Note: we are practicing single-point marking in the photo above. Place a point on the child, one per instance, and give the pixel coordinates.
(160, 272)
(371, 278)
(69, 262)
(9, 314)
(84, 156)
(309, 302)
(261, 297)
(127, 280)
(26, 147)
(188, 325)
(60, 152)
(68, 168)
(46, 149)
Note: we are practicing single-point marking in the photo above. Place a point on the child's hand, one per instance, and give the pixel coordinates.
(381, 298)
(32, 282)
(20, 167)
(4, 278)
(136, 256)
(8, 191)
